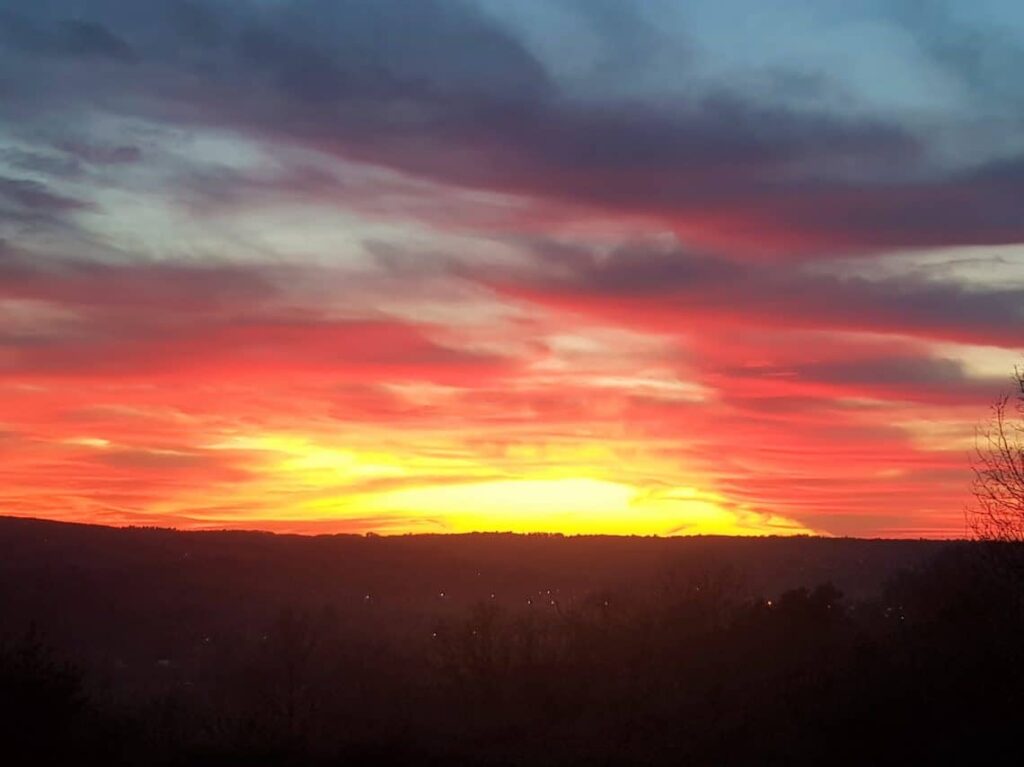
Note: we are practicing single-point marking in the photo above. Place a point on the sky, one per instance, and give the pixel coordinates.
(579, 266)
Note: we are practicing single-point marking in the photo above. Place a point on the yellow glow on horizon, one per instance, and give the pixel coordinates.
(576, 505)
(567, 489)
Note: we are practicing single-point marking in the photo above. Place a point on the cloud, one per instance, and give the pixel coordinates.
(352, 221)
(228, 321)
(28, 201)
(253, 351)
(99, 154)
(667, 289)
(68, 37)
(441, 90)
(159, 286)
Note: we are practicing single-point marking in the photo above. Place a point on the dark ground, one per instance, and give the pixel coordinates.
(146, 646)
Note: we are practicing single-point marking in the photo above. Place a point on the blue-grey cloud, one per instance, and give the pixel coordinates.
(69, 37)
(667, 288)
(441, 89)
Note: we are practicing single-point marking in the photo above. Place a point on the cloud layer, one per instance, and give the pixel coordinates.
(316, 265)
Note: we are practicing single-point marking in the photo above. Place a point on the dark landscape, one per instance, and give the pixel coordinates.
(148, 646)
(511, 383)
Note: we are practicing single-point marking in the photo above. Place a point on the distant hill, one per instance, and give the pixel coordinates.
(465, 566)
(498, 649)
(122, 589)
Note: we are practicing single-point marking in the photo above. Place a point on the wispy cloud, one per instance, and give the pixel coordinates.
(470, 241)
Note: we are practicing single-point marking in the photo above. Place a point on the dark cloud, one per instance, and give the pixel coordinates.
(890, 378)
(232, 322)
(438, 89)
(319, 55)
(41, 163)
(99, 154)
(667, 288)
(66, 37)
(212, 188)
(896, 370)
(161, 287)
(32, 196)
(253, 350)
(195, 23)
(67, 159)
(29, 202)
(85, 38)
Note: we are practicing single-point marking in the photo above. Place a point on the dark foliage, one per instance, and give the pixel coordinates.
(696, 664)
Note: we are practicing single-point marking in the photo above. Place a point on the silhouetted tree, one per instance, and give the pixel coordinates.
(998, 509)
(40, 698)
(997, 512)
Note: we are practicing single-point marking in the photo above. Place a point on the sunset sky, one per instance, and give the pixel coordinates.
(544, 265)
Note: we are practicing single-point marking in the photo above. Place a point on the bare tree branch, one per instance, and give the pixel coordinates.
(996, 514)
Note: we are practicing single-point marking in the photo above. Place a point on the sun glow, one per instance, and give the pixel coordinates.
(574, 491)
